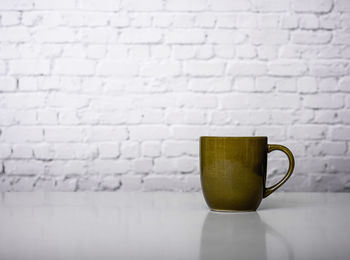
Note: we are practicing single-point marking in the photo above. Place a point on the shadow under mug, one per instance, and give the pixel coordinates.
(233, 171)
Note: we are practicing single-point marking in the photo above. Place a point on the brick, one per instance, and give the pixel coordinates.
(23, 100)
(329, 21)
(328, 85)
(2, 68)
(63, 100)
(178, 148)
(150, 148)
(289, 22)
(247, 68)
(287, 68)
(277, 133)
(183, 5)
(24, 167)
(64, 167)
(130, 150)
(311, 132)
(226, 5)
(307, 85)
(108, 150)
(64, 4)
(58, 35)
(192, 183)
(189, 132)
(195, 118)
(140, 36)
(270, 36)
(324, 101)
(162, 20)
(204, 52)
(65, 184)
(341, 38)
(14, 34)
(43, 152)
(23, 134)
(186, 164)
(308, 21)
(249, 117)
(120, 20)
(226, 37)
(131, 183)
(71, 151)
(157, 182)
(265, 84)
(197, 68)
(117, 68)
(21, 151)
(244, 101)
(319, 6)
(156, 101)
(326, 116)
(330, 52)
(311, 37)
(247, 21)
(342, 5)
(19, 5)
(161, 52)
(165, 165)
(205, 20)
(183, 52)
(244, 84)
(232, 131)
(210, 85)
(109, 166)
(340, 133)
(220, 118)
(161, 69)
(197, 100)
(98, 5)
(106, 134)
(7, 84)
(29, 67)
(142, 165)
(97, 35)
(183, 36)
(141, 20)
(344, 84)
(74, 67)
(5, 151)
(10, 18)
(63, 134)
(28, 83)
(23, 117)
(271, 5)
(339, 165)
(328, 68)
(150, 5)
(149, 132)
(327, 148)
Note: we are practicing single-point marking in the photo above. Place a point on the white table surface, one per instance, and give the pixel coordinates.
(164, 225)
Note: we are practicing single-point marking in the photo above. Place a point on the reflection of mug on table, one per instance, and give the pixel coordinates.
(238, 236)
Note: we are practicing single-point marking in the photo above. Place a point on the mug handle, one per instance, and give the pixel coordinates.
(273, 147)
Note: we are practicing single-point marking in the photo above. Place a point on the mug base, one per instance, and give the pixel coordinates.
(231, 210)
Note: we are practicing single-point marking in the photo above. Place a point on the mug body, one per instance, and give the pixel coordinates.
(233, 172)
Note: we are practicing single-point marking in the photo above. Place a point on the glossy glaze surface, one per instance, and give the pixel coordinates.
(233, 171)
(171, 226)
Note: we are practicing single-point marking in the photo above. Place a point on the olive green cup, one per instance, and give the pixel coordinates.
(233, 171)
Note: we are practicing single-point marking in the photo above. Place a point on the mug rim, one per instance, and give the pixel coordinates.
(233, 137)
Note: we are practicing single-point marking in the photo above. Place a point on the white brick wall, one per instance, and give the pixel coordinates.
(113, 95)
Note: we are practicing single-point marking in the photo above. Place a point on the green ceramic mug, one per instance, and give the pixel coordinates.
(233, 171)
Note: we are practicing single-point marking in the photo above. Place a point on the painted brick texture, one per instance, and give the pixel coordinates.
(114, 94)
